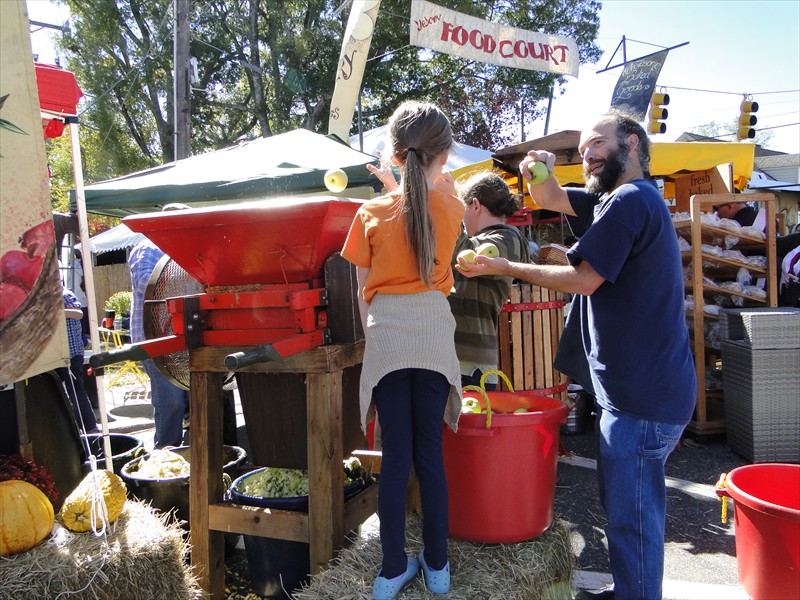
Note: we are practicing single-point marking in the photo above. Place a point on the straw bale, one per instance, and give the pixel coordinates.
(143, 555)
(538, 569)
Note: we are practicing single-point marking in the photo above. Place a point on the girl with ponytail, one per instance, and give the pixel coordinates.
(402, 244)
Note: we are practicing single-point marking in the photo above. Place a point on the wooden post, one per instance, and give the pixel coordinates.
(205, 478)
(325, 484)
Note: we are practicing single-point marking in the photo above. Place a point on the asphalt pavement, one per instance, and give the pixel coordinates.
(700, 557)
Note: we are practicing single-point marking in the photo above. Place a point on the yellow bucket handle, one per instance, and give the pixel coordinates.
(720, 485)
(501, 374)
(482, 392)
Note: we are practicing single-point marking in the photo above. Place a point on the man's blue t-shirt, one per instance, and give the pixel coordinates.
(633, 327)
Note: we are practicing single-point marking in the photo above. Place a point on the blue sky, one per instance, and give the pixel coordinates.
(735, 46)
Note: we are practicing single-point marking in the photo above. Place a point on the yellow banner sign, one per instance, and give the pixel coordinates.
(352, 60)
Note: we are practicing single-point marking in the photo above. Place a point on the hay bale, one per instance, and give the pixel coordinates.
(539, 569)
(143, 555)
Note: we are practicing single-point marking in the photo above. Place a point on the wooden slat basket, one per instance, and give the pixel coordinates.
(529, 330)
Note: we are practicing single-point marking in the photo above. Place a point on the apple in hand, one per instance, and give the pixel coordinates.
(467, 256)
(488, 250)
(539, 172)
(335, 180)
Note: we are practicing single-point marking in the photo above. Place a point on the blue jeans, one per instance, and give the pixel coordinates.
(631, 456)
(411, 405)
(169, 405)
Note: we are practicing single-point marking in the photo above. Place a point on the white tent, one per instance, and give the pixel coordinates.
(376, 140)
(116, 238)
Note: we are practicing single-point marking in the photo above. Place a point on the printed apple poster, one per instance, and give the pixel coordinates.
(33, 336)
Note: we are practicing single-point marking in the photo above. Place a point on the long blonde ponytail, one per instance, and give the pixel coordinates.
(420, 132)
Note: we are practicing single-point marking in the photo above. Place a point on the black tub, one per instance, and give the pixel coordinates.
(124, 448)
(278, 566)
(172, 493)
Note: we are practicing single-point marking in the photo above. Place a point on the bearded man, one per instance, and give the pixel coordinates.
(630, 328)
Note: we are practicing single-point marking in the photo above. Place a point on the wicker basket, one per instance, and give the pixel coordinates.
(762, 402)
(761, 327)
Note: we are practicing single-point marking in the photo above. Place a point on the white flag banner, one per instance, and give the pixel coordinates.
(455, 33)
(352, 60)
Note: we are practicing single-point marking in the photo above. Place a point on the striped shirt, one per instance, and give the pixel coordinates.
(142, 260)
(476, 302)
(73, 325)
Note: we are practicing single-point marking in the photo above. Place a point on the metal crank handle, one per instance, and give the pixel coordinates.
(261, 353)
(102, 359)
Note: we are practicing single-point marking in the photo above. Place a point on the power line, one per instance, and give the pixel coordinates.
(675, 87)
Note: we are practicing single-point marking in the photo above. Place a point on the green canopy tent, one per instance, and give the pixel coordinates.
(288, 164)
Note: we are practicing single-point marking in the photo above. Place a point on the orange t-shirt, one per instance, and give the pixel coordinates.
(377, 241)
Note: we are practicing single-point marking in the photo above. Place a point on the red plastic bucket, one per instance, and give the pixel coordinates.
(767, 525)
(501, 479)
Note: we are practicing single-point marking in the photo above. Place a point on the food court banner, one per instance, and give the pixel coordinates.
(33, 336)
(636, 84)
(457, 34)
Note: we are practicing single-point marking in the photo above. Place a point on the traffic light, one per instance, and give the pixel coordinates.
(745, 129)
(657, 113)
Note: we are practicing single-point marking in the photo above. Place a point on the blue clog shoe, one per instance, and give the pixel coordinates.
(437, 582)
(386, 589)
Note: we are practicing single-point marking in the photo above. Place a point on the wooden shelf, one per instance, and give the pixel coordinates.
(709, 289)
(712, 232)
(709, 414)
(724, 262)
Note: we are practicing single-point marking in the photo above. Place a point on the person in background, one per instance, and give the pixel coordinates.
(73, 375)
(626, 273)
(170, 403)
(476, 302)
(741, 212)
(402, 246)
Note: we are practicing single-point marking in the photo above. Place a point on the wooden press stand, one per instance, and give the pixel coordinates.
(328, 517)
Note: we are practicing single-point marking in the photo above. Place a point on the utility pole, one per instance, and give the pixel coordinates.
(181, 85)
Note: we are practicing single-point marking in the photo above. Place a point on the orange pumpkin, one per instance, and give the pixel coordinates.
(26, 516)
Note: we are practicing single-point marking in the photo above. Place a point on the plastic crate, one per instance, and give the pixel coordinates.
(762, 402)
(761, 328)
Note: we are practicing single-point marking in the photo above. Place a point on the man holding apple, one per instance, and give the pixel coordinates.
(626, 273)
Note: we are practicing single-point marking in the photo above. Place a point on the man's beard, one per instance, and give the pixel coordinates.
(610, 174)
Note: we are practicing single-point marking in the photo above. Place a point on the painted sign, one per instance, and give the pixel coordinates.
(636, 84)
(708, 181)
(33, 336)
(457, 34)
(352, 60)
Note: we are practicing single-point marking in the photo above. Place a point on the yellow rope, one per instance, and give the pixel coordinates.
(501, 374)
(720, 485)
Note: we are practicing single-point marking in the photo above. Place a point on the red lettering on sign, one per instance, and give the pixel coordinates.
(524, 49)
(432, 20)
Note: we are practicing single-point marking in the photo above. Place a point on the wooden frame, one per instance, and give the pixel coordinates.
(328, 517)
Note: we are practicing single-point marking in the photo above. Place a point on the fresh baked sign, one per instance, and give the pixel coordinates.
(457, 34)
